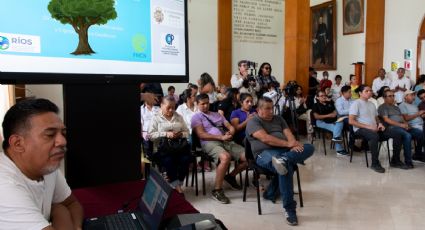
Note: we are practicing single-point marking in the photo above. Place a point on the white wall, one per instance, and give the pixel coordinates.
(349, 48)
(257, 52)
(402, 23)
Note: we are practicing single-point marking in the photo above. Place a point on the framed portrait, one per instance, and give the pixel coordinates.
(323, 36)
(353, 16)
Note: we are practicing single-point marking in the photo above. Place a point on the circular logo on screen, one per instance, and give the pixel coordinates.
(169, 38)
(4, 43)
(158, 15)
(140, 43)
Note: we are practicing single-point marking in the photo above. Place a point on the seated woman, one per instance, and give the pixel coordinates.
(169, 126)
(230, 103)
(240, 117)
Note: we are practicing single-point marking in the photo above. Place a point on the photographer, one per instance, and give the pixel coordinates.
(237, 79)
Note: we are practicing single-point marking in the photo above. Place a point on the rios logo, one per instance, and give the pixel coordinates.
(4, 43)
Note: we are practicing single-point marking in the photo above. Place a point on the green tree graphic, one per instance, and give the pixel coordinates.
(82, 14)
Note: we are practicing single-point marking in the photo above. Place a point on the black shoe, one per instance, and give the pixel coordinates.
(409, 165)
(417, 157)
(232, 182)
(377, 168)
(291, 218)
(398, 164)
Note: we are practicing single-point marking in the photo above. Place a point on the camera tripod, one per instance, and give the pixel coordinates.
(290, 100)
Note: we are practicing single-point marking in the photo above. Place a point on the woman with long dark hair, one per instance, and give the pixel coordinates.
(240, 117)
(230, 103)
(265, 78)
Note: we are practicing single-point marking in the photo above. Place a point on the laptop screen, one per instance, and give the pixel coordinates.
(154, 199)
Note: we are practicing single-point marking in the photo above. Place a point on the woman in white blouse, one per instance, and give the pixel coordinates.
(168, 124)
(188, 108)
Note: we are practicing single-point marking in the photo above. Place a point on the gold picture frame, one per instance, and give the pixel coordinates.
(323, 36)
(353, 16)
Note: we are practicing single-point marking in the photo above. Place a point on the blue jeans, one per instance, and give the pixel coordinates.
(335, 128)
(400, 137)
(286, 184)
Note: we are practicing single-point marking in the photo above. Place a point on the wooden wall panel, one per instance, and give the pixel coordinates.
(421, 37)
(224, 41)
(297, 42)
(375, 19)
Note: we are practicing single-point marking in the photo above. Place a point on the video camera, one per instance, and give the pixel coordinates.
(291, 89)
(252, 67)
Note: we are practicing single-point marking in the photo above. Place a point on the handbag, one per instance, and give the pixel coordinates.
(173, 146)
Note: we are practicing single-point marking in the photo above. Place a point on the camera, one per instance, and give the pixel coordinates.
(249, 81)
(251, 65)
(291, 89)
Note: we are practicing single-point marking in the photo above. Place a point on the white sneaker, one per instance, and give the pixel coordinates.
(280, 165)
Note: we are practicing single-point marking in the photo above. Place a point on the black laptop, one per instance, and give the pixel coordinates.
(151, 209)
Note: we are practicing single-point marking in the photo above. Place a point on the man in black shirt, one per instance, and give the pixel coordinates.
(313, 85)
(326, 118)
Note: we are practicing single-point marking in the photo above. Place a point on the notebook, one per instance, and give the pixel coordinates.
(152, 204)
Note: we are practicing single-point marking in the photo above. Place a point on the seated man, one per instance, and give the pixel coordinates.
(217, 142)
(399, 130)
(412, 115)
(325, 114)
(34, 193)
(380, 81)
(342, 105)
(276, 149)
(364, 119)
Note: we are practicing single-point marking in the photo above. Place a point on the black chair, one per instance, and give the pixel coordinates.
(196, 150)
(381, 139)
(321, 133)
(252, 165)
(204, 157)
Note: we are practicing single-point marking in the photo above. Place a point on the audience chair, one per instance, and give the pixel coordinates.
(381, 139)
(321, 133)
(252, 165)
(197, 152)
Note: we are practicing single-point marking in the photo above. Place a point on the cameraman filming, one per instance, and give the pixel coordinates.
(237, 79)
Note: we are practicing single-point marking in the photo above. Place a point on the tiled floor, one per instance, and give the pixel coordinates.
(337, 195)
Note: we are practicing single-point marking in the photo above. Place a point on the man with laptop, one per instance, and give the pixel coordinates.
(34, 193)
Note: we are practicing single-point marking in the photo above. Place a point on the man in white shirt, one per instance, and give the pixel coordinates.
(380, 81)
(34, 193)
(237, 79)
(400, 85)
